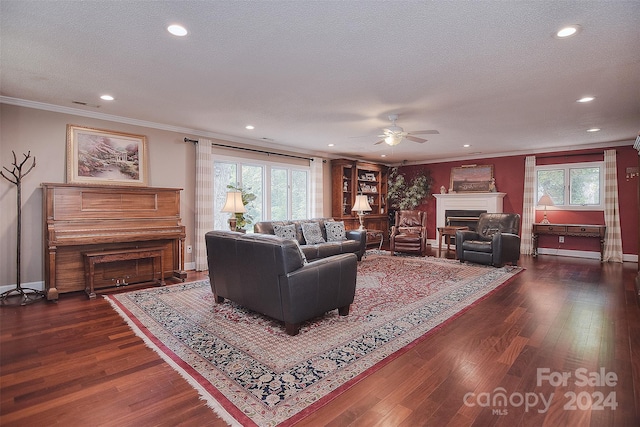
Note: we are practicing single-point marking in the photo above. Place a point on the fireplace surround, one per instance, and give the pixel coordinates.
(472, 202)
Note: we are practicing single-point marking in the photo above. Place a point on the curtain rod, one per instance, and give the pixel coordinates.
(550, 156)
(268, 153)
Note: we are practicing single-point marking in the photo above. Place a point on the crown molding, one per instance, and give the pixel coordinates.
(152, 125)
(256, 143)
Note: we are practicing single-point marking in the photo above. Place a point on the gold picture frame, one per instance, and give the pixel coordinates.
(471, 179)
(98, 156)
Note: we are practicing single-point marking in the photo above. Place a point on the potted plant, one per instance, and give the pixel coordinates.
(243, 219)
(405, 195)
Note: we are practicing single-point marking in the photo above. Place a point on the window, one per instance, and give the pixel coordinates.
(249, 177)
(282, 190)
(289, 193)
(572, 186)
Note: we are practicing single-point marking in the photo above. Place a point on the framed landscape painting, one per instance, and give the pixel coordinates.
(470, 179)
(96, 156)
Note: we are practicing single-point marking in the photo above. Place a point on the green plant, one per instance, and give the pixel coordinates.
(243, 219)
(407, 195)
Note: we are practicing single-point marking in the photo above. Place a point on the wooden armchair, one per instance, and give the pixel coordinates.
(409, 234)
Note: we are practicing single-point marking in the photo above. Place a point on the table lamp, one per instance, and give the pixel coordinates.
(545, 201)
(361, 206)
(233, 205)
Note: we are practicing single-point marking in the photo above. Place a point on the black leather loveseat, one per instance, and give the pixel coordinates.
(268, 274)
(355, 241)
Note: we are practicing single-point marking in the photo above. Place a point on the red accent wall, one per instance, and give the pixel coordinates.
(509, 175)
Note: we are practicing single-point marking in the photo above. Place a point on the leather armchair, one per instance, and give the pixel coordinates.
(495, 241)
(409, 234)
(268, 274)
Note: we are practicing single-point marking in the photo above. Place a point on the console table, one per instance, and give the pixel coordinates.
(569, 230)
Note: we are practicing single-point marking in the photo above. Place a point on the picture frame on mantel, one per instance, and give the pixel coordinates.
(471, 179)
(98, 156)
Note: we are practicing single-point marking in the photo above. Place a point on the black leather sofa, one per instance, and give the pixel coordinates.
(267, 274)
(356, 240)
(495, 241)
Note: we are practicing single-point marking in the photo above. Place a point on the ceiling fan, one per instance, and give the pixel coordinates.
(394, 134)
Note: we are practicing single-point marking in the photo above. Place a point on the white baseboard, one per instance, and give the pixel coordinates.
(558, 252)
(38, 286)
(569, 253)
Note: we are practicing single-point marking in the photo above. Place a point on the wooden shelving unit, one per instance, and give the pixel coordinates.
(351, 178)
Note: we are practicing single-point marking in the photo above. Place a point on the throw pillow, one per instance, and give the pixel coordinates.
(335, 231)
(312, 233)
(285, 231)
(304, 257)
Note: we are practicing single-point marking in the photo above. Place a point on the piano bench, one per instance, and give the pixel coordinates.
(100, 257)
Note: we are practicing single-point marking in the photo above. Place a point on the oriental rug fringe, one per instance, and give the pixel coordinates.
(251, 372)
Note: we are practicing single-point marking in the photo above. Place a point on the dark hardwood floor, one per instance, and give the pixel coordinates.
(76, 363)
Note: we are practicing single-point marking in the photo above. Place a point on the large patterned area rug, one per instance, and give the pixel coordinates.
(252, 373)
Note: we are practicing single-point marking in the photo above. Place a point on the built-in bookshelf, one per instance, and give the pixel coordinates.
(351, 178)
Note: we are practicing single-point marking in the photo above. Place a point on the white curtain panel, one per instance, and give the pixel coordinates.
(613, 235)
(204, 201)
(528, 205)
(317, 207)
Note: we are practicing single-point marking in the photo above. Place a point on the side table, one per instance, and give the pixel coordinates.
(447, 232)
(375, 238)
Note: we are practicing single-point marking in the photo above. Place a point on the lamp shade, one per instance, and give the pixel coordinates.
(361, 204)
(234, 204)
(545, 200)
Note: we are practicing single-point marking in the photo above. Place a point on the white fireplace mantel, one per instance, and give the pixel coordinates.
(490, 202)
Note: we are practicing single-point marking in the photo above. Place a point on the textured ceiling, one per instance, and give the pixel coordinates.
(310, 73)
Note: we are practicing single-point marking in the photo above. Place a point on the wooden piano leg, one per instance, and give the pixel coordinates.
(180, 274)
(89, 270)
(162, 268)
(50, 282)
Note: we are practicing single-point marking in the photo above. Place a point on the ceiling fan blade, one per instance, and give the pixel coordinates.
(415, 139)
(425, 132)
(379, 142)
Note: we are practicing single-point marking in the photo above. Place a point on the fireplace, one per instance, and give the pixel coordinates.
(475, 203)
(463, 217)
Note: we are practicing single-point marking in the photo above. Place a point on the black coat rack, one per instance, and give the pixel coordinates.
(27, 295)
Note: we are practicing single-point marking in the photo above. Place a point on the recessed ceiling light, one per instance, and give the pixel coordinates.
(107, 97)
(568, 31)
(593, 130)
(586, 99)
(331, 145)
(383, 155)
(467, 145)
(177, 30)
(250, 127)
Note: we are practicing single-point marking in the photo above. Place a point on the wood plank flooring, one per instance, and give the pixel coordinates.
(76, 363)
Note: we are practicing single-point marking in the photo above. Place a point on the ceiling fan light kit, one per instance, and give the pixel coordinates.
(394, 134)
(392, 140)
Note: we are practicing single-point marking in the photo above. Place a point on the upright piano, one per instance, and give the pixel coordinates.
(82, 219)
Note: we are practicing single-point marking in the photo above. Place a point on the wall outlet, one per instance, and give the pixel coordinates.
(561, 239)
(190, 248)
